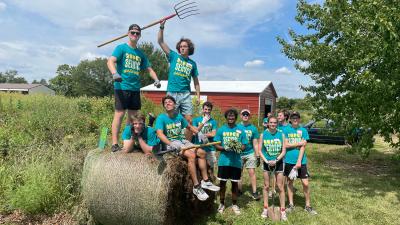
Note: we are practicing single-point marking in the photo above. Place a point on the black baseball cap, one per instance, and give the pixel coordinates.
(134, 26)
(295, 114)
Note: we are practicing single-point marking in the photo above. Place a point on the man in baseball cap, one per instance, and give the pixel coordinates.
(125, 65)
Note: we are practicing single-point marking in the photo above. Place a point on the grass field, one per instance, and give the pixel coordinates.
(44, 140)
(344, 190)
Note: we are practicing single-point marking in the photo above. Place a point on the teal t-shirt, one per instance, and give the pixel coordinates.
(295, 135)
(172, 127)
(282, 128)
(181, 71)
(251, 134)
(209, 126)
(225, 134)
(148, 135)
(130, 61)
(272, 144)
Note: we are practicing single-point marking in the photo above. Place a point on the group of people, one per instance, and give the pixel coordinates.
(280, 147)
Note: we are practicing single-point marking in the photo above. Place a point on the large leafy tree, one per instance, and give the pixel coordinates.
(11, 76)
(352, 54)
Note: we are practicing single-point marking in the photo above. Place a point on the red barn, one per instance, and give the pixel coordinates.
(258, 96)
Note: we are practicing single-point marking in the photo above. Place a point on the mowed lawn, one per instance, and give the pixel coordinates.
(345, 189)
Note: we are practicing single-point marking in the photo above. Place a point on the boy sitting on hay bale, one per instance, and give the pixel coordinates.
(169, 128)
(233, 142)
(137, 136)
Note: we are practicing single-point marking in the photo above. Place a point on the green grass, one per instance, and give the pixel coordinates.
(44, 139)
(345, 189)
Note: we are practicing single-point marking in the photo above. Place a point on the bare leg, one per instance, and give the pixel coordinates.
(306, 190)
(281, 188)
(253, 179)
(266, 189)
(191, 157)
(116, 125)
(202, 163)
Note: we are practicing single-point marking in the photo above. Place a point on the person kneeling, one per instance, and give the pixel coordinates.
(136, 136)
(169, 128)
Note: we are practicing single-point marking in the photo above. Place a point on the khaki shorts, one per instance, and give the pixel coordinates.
(249, 161)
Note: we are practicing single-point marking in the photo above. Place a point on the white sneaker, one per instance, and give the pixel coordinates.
(221, 208)
(283, 216)
(236, 209)
(264, 214)
(201, 195)
(208, 185)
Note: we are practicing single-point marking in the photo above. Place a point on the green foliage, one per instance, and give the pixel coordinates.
(11, 76)
(352, 55)
(158, 62)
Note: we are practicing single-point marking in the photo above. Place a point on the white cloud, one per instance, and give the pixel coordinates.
(98, 22)
(3, 6)
(254, 63)
(304, 64)
(91, 56)
(283, 70)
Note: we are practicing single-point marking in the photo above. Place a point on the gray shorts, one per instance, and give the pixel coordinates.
(183, 102)
(249, 161)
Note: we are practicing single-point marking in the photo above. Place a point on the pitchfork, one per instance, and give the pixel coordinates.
(182, 9)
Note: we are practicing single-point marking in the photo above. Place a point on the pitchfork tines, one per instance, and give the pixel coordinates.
(186, 8)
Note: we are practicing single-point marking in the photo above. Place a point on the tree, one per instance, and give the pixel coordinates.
(42, 81)
(62, 82)
(11, 76)
(158, 62)
(352, 51)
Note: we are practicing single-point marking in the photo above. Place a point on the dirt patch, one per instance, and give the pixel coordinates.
(19, 218)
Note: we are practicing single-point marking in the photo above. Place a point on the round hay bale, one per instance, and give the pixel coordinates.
(121, 188)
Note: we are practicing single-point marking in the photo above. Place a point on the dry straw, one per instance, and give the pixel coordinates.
(122, 188)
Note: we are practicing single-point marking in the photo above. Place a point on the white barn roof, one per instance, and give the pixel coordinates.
(220, 86)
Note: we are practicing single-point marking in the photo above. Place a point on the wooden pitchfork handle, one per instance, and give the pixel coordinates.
(145, 27)
(200, 145)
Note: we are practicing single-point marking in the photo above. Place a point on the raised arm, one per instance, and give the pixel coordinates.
(161, 42)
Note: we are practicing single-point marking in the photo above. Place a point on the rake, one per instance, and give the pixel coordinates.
(182, 9)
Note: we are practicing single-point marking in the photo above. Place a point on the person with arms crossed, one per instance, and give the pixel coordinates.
(125, 64)
(169, 128)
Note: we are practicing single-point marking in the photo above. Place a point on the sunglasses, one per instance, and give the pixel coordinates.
(245, 114)
(135, 33)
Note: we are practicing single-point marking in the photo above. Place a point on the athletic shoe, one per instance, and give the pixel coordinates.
(255, 196)
(264, 214)
(115, 148)
(221, 208)
(199, 192)
(310, 210)
(152, 118)
(208, 185)
(290, 208)
(283, 216)
(236, 209)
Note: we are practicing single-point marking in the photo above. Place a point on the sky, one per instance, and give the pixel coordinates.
(235, 40)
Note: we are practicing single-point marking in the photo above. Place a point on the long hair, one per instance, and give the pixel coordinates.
(190, 44)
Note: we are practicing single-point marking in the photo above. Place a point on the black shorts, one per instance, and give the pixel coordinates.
(127, 100)
(229, 173)
(279, 167)
(302, 173)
